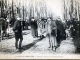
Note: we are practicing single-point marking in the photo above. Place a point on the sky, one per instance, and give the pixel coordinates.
(56, 7)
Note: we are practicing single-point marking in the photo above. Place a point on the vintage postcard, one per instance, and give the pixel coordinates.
(39, 29)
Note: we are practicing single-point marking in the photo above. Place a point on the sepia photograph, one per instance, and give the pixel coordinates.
(39, 29)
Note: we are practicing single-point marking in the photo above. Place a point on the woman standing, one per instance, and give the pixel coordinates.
(49, 31)
(52, 31)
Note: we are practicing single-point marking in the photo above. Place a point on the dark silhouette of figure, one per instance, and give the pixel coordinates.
(58, 37)
(4, 28)
(18, 33)
(12, 21)
(34, 28)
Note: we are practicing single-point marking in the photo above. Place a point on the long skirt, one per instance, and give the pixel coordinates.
(34, 32)
(53, 41)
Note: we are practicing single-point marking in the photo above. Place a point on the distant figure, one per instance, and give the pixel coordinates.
(68, 32)
(12, 21)
(72, 30)
(40, 24)
(34, 28)
(4, 28)
(26, 24)
(18, 33)
(40, 28)
(8, 27)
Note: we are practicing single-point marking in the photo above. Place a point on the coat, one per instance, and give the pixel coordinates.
(17, 28)
(51, 28)
(4, 25)
(34, 24)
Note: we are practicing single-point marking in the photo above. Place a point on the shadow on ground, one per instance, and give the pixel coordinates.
(76, 41)
(26, 47)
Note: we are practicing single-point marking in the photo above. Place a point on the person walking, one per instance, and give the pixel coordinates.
(17, 28)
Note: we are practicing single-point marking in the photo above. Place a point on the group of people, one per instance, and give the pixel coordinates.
(53, 33)
(17, 28)
(4, 27)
